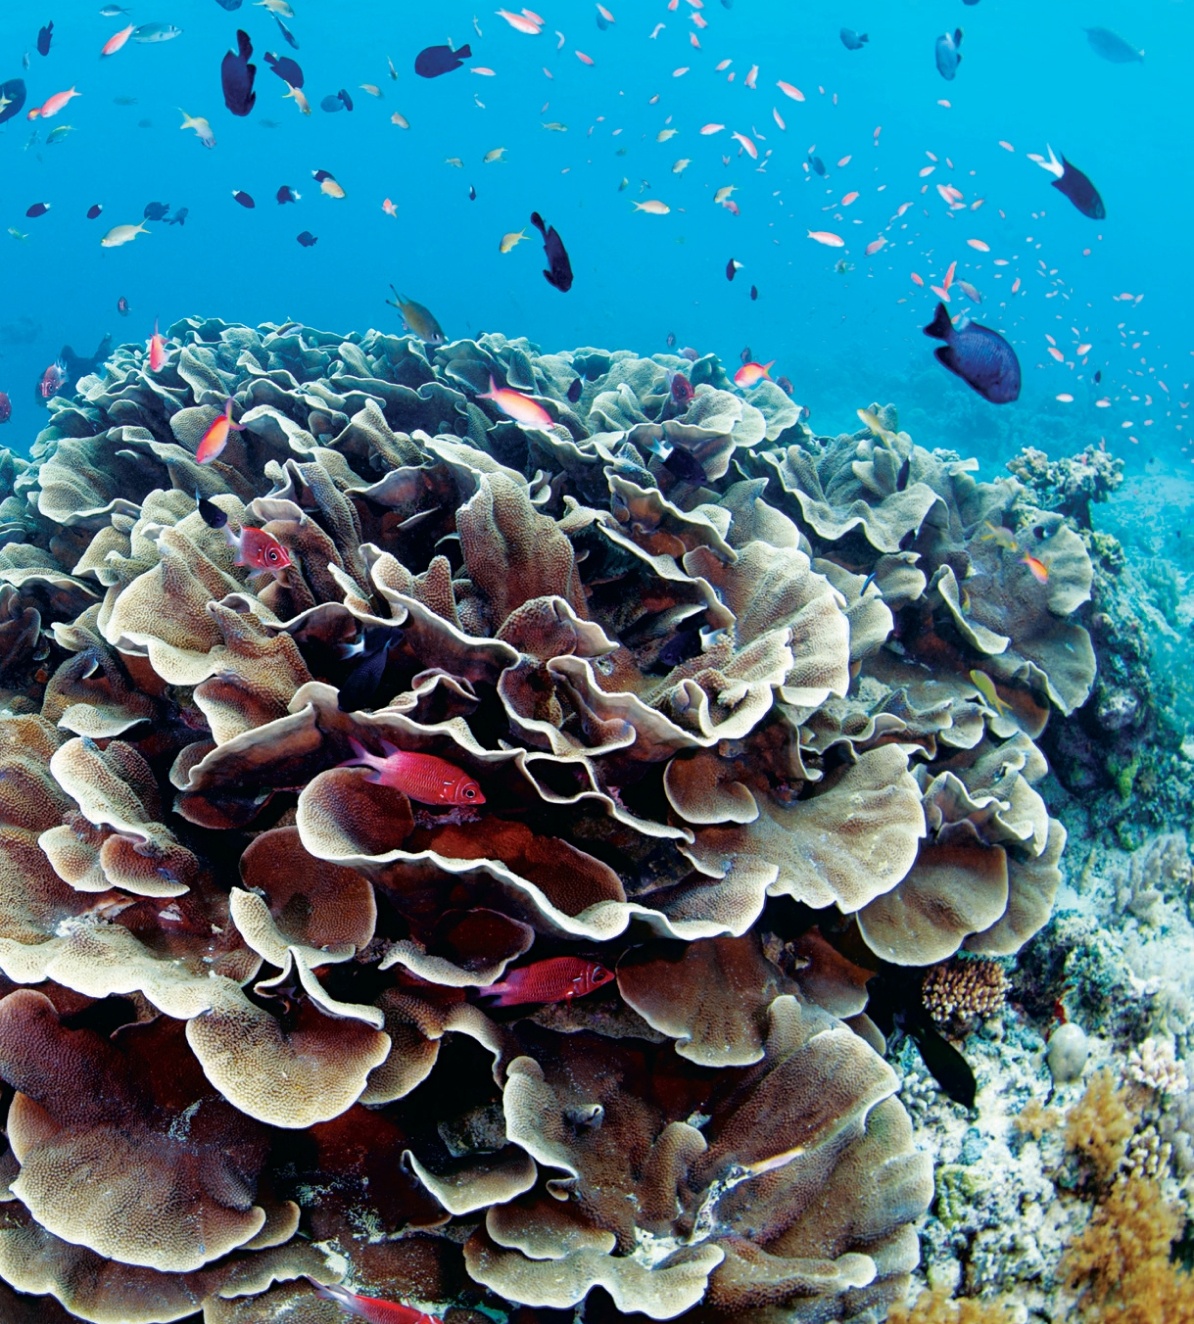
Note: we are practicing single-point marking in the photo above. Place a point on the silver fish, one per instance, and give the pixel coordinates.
(156, 32)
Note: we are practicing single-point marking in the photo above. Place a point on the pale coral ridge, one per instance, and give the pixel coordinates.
(701, 663)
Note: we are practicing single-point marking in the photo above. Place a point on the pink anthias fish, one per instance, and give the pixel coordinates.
(372, 1308)
(521, 408)
(751, 374)
(558, 979)
(422, 777)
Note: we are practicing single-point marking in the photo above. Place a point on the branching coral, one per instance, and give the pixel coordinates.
(688, 702)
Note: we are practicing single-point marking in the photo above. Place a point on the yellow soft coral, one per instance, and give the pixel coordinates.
(937, 1308)
(1120, 1263)
(1099, 1125)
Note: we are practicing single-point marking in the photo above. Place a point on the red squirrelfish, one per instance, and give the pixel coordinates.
(52, 380)
(216, 436)
(517, 406)
(157, 350)
(558, 979)
(421, 777)
(751, 374)
(258, 549)
(372, 1308)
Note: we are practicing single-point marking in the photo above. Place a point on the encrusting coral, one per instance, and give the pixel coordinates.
(701, 664)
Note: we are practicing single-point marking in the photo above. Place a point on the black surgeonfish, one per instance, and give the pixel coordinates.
(288, 70)
(237, 74)
(432, 61)
(1075, 185)
(559, 272)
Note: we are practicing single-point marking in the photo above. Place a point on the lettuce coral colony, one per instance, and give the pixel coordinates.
(753, 714)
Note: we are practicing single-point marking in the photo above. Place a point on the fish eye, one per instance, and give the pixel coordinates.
(470, 792)
(272, 554)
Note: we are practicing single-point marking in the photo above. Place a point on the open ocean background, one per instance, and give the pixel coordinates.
(843, 339)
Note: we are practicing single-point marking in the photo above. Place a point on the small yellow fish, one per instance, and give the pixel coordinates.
(512, 240)
(299, 97)
(681, 165)
(556, 127)
(330, 187)
(998, 534)
(664, 134)
(494, 154)
(57, 135)
(625, 184)
(122, 234)
(875, 423)
(201, 126)
(723, 193)
(371, 88)
(400, 119)
(16, 234)
(653, 207)
(986, 687)
(454, 161)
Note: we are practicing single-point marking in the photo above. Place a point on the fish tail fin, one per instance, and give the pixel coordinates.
(940, 328)
(465, 53)
(862, 36)
(767, 368)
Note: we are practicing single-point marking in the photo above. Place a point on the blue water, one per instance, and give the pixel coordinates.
(843, 339)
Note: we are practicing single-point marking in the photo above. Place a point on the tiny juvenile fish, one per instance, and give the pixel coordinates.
(216, 437)
(511, 240)
(372, 1308)
(422, 777)
(558, 979)
(853, 41)
(517, 406)
(998, 534)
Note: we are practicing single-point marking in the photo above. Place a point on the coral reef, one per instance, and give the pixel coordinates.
(963, 990)
(752, 713)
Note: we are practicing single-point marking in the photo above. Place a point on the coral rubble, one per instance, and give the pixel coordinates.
(754, 716)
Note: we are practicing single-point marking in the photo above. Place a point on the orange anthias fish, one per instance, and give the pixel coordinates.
(52, 106)
(558, 979)
(157, 350)
(422, 777)
(216, 436)
(117, 40)
(517, 406)
(751, 374)
(1038, 569)
(372, 1308)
